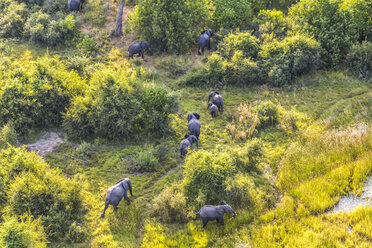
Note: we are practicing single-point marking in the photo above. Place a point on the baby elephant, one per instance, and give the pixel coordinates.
(213, 109)
(188, 141)
(216, 100)
(194, 124)
(116, 193)
(209, 212)
(139, 48)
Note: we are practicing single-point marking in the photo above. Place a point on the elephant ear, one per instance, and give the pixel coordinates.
(189, 117)
(223, 202)
(120, 180)
(196, 115)
(186, 136)
(204, 31)
(216, 93)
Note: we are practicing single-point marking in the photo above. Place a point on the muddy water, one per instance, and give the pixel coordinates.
(351, 202)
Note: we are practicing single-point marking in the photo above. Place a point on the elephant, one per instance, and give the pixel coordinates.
(75, 5)
(204, 40)
(194, 124)
(208, 213)
(139, 48)
(213, 109)
(116, 193)
(188, 141)
(217, 100)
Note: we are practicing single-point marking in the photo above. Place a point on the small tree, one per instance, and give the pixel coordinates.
(119, 19)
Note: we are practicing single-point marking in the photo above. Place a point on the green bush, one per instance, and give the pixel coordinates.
(359, 60)
(231, 14)
(268, 113)
(118, 104)
(8, 136)
(272, 22)
(293, 56)
(242, 41)
(205, 173)
(170, 205)
(12, 18)
(165, 30)
(251, 155)
(43, 28)
(329, 24)
(53, 6)
(36, 93)
(22, 232)
(146, 160)
(29, 185)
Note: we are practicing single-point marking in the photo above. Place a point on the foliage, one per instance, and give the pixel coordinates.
(8, 136)
(40, 27)
(170, 205)
(35, 93)
(359, 60)
(206, 172)
(330, 25)
(84, 149)
(95, 13)
(32, 187)
(267, 113)
(117, 104)
(146, 160)
(272, 23)
(293, 56)
(230, 14)
(22, 232)
(242, 41)
(361, 13)
(12, 18)
(170, 25)
(245, 123)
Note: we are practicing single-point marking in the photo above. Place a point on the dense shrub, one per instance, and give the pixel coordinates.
(170, 204)
(282, 60)
(361, 12)
(32, 187)
(166, 30)
(251, 155)
(242, 41)
(272, 24)
(145, 160)
(359, 60)
(8, 136)
(117, 105)
(53, 6)
(22, 232)
(41, 27)
(267, 113)
(205, 174)
(12, 18)
(330, 25)
(36, 93)
(231, 14)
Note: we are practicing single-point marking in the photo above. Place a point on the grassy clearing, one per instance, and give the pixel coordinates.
(312, 166)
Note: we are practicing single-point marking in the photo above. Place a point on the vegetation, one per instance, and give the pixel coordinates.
(294, 138)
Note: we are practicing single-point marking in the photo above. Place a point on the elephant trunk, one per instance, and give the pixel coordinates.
(130, 188)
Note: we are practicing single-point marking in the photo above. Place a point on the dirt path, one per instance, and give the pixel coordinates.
(46, 144)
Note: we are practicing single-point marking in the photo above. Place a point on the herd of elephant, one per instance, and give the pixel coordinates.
(208, 212)
(119, 190)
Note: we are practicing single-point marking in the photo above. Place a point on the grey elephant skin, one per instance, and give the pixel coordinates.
(194, 124)
(213, 109)
(209, 213)
(188, 141)
(205, 40)
(217, 100)
(116, 193)
(139, 48)
(75, 5)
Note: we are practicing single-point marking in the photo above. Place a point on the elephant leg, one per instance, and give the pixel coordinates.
(209, 46)
(126, 196)
(205, 222)
(217, 220)
(199, 50)
(115, 208)
(221, 107)
(104, 210)
(220, 219)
